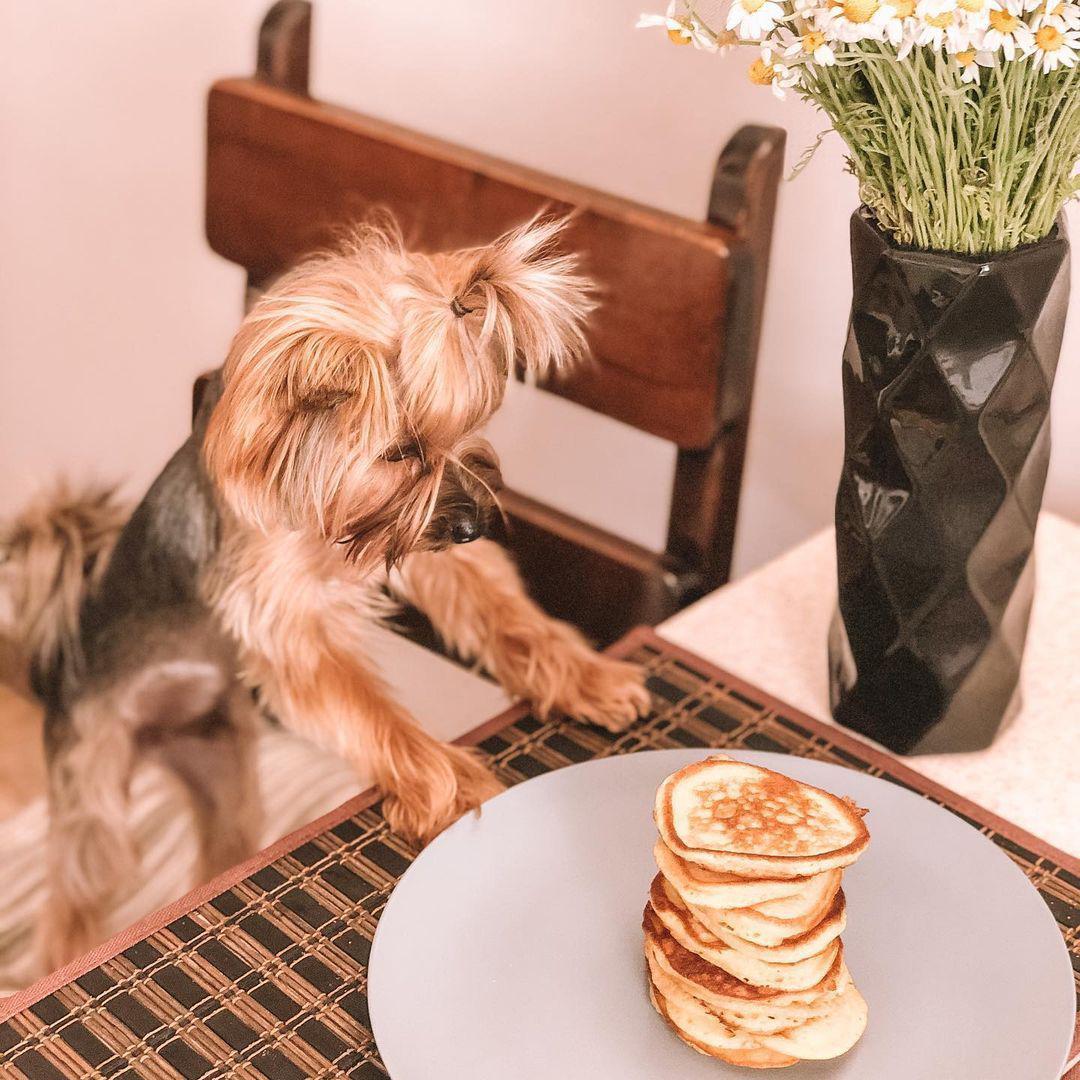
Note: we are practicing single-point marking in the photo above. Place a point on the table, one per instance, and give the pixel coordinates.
(262, 973)
(770, 628)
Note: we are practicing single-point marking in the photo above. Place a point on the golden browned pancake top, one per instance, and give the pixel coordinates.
(723, 805)
(734, 817)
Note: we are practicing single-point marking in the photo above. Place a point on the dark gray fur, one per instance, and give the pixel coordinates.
(151, 586)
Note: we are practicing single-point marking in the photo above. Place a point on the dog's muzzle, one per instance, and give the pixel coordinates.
(467, 529)
(467, 509)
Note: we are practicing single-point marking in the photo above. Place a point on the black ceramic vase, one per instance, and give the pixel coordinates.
(948, 369)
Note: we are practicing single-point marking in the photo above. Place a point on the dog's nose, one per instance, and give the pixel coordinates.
(466, 530)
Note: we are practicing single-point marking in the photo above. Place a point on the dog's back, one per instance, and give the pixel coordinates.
(153, 571)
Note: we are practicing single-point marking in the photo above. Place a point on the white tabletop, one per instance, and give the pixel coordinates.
(770, 628)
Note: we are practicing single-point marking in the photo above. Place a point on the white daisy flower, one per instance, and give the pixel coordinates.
(753, 19)
(903, 25)
(1006, 30)
(682, 31)
(857, 20)
(1053, 48)
(960, 36)
(942, 31)
(974, 14)
(970, 62)
(767, 71)
(811, 48)
(927, 9)
(1063, 15)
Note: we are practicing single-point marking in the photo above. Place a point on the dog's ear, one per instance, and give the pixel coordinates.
(307, 402)
(529, 297)
(469, 318)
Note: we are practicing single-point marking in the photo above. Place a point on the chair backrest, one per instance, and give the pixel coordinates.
(674, 341)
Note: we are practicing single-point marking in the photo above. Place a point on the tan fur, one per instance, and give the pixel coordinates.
(51, 553)
(300, 612)
(344, 458)
(352, 396)
(475, 600)
(360, 351)
(190, 714)
(90, 851)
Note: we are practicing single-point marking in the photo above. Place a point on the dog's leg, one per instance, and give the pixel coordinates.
(340, 703)
(90, 849)
(475, 599)
(214, 760)
(299, 613)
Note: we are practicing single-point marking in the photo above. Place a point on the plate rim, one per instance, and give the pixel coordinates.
(743, 754)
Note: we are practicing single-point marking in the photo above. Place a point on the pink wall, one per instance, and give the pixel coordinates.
(111, 301)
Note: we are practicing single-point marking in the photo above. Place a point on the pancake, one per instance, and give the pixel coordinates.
(789, 951)
(752, 925)
(720, 990)
(755, 1025)
(695, 1018)
(737, 818)
(817, 891)
(713, 889)
(692, 935)
(828, 1036)
(708, 1030)
(758, 1057)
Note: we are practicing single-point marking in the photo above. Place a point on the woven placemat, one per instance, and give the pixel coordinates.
(262, 973)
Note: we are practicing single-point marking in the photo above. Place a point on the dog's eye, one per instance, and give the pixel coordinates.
(405, 451)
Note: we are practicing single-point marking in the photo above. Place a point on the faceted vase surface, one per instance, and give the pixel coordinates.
(948, 371)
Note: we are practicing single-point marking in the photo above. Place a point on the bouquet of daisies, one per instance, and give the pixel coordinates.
(961, 117)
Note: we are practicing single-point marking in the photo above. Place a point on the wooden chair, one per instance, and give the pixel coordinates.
(674, 342)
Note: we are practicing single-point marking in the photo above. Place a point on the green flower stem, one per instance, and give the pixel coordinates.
(952, 166)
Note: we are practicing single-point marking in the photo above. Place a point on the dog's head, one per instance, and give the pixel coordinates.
(354, 389)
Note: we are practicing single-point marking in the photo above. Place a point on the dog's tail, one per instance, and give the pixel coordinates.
(51, 554)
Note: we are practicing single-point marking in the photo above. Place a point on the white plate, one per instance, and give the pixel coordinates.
(511, 949)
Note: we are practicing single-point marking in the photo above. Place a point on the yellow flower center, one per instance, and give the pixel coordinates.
(966, 58)
(750, 6)
(1049, 38)
(1004, 21)
(904, 8)
(940, 22)
(761, 73)
(813, 41)
(860, 11)
(678, 36)
(974, 6)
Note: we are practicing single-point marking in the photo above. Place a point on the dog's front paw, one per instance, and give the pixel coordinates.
(599, 690)
(449, 782)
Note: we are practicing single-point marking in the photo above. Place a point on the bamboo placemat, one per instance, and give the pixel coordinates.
(262, 972)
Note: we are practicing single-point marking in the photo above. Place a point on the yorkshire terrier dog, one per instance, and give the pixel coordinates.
(334, 463)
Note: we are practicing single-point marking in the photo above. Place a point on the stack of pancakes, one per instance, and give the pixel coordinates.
(743, 924)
